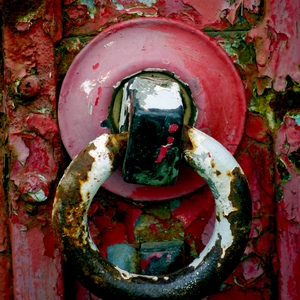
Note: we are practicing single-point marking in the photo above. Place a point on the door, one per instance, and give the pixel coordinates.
(40, 40)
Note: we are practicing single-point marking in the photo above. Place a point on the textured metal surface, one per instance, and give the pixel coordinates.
(155, 113)
(229, 186)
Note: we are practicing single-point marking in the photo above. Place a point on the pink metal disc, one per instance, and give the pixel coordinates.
(130, 47)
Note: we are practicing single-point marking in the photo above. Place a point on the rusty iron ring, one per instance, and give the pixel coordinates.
(215, 263)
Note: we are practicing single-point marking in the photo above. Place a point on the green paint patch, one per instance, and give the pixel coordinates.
(261, 104)
(67, 51)
(274, 106)
(236, 47)
(33, 14)
(90, 6)
(294, 158)
(297, 119)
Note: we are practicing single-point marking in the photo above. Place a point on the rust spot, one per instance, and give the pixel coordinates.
(92, 268)
(88, 194)
(187, 143)
(212, 163)
(29, 86)
(229, 174)
(239, 192)
(117, 146)
(218, 173)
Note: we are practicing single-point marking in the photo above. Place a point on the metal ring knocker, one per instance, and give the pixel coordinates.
(215, 263)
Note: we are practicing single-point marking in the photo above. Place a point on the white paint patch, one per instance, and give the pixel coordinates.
(210, 156)
(90, 104)
(102, 79)
(109, 44)
(87, 86)
(165, 98)
(127, 275)
(38, 196)
(117, 5)
(100, 170)
(156, 93)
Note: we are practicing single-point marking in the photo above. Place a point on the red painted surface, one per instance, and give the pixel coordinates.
(32, 146)
(122, 54)
(164, 149)
(288, 208)
(5, 247)
(277, 43)
(34, 44)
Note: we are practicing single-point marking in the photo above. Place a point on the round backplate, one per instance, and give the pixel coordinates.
(130, 47)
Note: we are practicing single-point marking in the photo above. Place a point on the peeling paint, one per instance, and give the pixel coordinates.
(219, 186)
(32, 151)
(211, 11)
(276, 42)
(261, 39)
(231, 232)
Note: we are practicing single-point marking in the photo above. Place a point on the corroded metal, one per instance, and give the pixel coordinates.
(29, 86)
(215, 263)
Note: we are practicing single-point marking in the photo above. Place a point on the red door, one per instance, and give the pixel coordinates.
(39, 43)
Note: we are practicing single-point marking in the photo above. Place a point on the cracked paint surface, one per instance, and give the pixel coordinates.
(288, 220)
(262, 41)
(31, 147)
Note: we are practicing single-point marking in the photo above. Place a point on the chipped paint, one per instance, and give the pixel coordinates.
(103, 78)
(87, 86)
(118, 5)
(109, 44)
(33, 150)
(210, 155)
(164, 149)
(287, 145)
(211, 12)
(100, 170)
(274, 38)
(229, 236)
(32, 16)
(277, 43)
(151, 91)
(127, 275)
(91, 7)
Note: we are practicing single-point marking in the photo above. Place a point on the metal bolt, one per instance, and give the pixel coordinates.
(29, 86)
